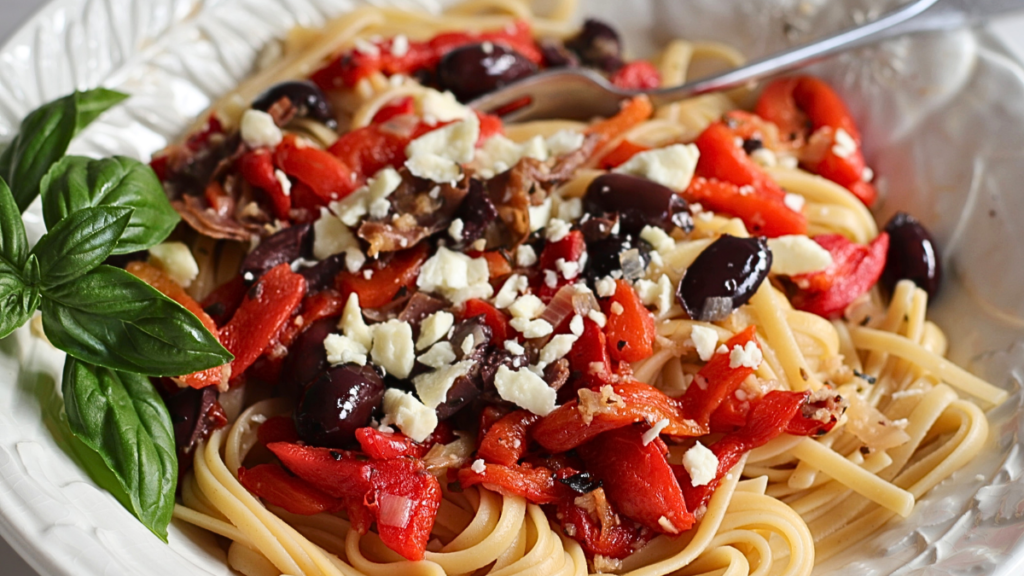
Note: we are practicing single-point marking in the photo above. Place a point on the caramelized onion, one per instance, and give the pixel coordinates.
(560, 307)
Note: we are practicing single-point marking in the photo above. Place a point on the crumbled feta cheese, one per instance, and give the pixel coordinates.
(525, 389)
(701, 464)
(704, 340)
(657, 238)
(379, 209)
(258, 129)
(433, 328)
(435, 106)
(525, 256)
(557, 347)
(176, 260)
(867, 175)
(455, 276)
(478, 466)
(664, 295)
(455, 229)
(352, 208)
(282, 179)
(605, 287)
(794, 202)
(550, 278)
(508, 292)
(439, 355)
(393, 349)
(412, 417)
(569, 270)
(367, 48)
(563, 142)
(843, 145)
(400, 45)
(598, 318)
(344, 350)
(576, 325)
(468, 344)
(557, 229)
(331, 236)
(797, 254)
(432, 387)
(531, 328)
(748, 356)
(654, 431)
(437, 155)
(723, 349)
(539, 215)
(354, 259)
(570, 209)
(526, 306)
(671, 166)
(764, 158)
(514, 347)
(616, 308)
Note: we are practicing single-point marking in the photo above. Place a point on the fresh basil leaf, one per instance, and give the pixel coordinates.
(79, 243)
(43, 139)
(110, 318)
(13, 242)
(94, 102)
(121, 417)
(17, 301)
(75, 183)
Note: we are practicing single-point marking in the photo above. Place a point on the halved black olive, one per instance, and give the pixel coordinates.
(913, 255)
(306, 97)
(638, 201)
(334, 405)
(724, 277)
(285, 246)
(597, 45)
(476, 69)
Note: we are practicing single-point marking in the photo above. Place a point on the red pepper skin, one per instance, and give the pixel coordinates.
(630, 333)
(854, 270)
(264, 311)
(397, 107)
(589, 362)
(536, 484)
(225, 299)
(382, 446)
(327, 176)
(325, 304)
(387, 279)
(257, 167)
(277, 429)
(495, 319)
(335, 472)
(507, 440)
(637, 75)
(767, 419)
(763, 215)
(369, 149)
(564, 428)
(720, 380)
(571, 249)
(792, 103)
(279, 488)
(638, 478)
(615, 541)
(621, 154)
(405, 484)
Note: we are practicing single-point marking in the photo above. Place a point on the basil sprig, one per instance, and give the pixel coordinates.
(116, 329)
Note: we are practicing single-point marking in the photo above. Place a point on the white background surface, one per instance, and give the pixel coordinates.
(14, 12)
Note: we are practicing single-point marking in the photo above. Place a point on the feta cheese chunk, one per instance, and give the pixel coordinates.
(797, 254)
(176, 260)
(701, 464)
(844, 145)
(605, 287)
(437, 155)
(655, 431)
(352, 323)
(479, 466)
(556, 348)
(455, 276)
(439, 355)
(704, 340)
(539, 215)
(434, 106)
(432, 387)
(527, 306)
(258, 129)
(344, 350)
(525, 389)
(412, 417)
(532, 328)
(392, 347)
(657, 238)
(331, 236)
(526, 256)
(433, 328)
(557, 229)
(748, 356)
(563, 142)
(671, 166)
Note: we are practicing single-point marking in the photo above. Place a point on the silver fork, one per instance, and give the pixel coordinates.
(584, 94)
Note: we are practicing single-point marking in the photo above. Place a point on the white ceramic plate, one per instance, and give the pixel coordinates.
(943, 120)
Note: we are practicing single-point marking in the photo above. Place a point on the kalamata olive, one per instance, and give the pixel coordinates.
(194, 414)
(285, 246)
(476, 69)
(477, 212)
(556, 55)
(724, 277)
(913, 255)
(476, 329)
(338, 402)
(306, 358)
(320, 276)
(638, 201)
(464, 390)
(597, 45)
(606, 256)
(306, 97)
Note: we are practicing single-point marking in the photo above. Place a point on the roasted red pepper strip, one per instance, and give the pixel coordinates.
(536, 484)
(762, 215)
(257, 167)
(397, 107)
(855, 269)
(315, 307)
(495, 319)
(638, 479)
(325, 174)
(732, 414)
(614, 540)
(637, 75)
(225, 299)
(633, 112)
(571, 248)
(279, 488)
(405, 500)
(264, 311)
(382, 445)
(588, 360)
(796, 102)
(507, 440)
(335, 472)
(631, 331)
(387, 277)
(371, 148)
(766, 420)
(566, 428)
(621, 154)
(716, 381)
(277, 429)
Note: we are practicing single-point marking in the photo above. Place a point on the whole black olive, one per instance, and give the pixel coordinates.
(607, 256)
(638, 201)
(306, 97)
(724, 277)
(477, 212)
(285, 246)
(913, 255)
(476, 69)
(334, 405)
(194, 414)
(306, 358)
(597, 45)
(556, 55)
